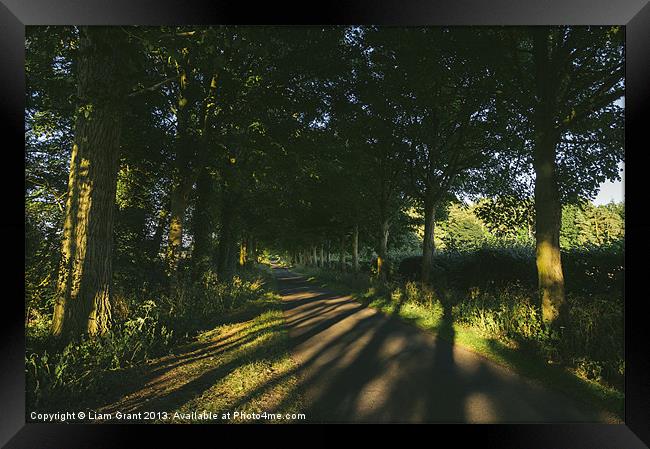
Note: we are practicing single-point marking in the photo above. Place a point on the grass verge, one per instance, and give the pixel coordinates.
(259, 374)
(238, 370)
(526, 363)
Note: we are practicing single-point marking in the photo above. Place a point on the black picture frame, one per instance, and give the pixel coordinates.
(634, 14)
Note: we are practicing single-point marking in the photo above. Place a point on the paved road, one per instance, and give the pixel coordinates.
(359, 365)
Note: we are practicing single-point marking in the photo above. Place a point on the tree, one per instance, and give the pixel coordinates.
(560, 85)
(380, 136)
(508, 217)
(462, 230)
(83, 301)
(449, 100)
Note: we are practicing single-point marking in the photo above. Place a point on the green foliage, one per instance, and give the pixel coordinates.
(508, 217)
(195, 305)
(494, 291)
(587, 225)
(292, 152)
(462, 230)
(144, 329)
(56, 376)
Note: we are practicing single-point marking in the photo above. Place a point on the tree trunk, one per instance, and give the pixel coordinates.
(83, 297)
(175, 237)
(314, 256)
(231, 263)
(342, 255)
(203, 224)
(203, 214)
(252, 249)
(382, 257)
(156, 242)
(242, 252)
(322, 256)
(227, 248)
(548, 209)
(548, 212)
(429, 246)
(181, 185)
(355, 249)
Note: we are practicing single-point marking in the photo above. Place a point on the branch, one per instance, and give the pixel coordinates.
(599, 99)
(594, 105)
(152, 88)
(46, 188)
(513, 47)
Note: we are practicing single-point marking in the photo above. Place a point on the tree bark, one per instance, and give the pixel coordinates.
(175, 237)
(429, 246)
(548, 209)
(382, 256)
(243, 251)
(203, 224)
(252, 249)
(203, 213)
(156, 241)
(182, 183)
(227, 248)
(322, 256)
(83, 297)
(355, 249)
(231, 263)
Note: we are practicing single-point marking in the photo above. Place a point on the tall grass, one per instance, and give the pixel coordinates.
(145, 328)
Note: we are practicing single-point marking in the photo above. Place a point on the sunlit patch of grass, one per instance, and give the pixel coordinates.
(264, 379)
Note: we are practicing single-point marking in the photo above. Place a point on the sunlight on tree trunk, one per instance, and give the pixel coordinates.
(242, 253)
(548, 212)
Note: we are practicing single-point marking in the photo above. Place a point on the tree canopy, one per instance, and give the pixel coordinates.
(160, 154)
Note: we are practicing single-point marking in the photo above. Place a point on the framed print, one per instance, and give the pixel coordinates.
(368, 213)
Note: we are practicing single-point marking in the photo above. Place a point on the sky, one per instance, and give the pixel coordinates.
(611, 190)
